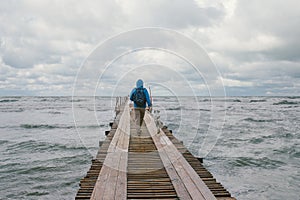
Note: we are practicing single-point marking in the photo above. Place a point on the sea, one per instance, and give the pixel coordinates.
(250, 144)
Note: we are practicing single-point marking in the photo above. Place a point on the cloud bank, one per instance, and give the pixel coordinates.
(254, 44)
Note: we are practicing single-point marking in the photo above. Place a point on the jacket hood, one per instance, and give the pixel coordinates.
(139, 83)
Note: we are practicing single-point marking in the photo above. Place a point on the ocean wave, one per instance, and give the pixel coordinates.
(286, 135)
(36, 169)
(257, 100)
(222, 99)
(235, 100)
(281, 134)
(51, 107)
(12, 110)
(256, 140)
(174, 108)
(9, 167)
(285, 102)
(43, 126)
(79, 100)
(8, 100)
(47, 126)
(98, 109)
(206, 110)
(292, 151)
(249, 119)
(55, 112)
(38, 146)
(229, 100)
(293, 97)
(173, 126)
(73, 160)
(37, 193)
(189, 109)
(92, 126)
(206, 100)
(47, 99)
(296, 154)
(264, 162)
(3, 142)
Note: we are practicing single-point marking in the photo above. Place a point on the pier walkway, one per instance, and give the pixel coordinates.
(146, 164)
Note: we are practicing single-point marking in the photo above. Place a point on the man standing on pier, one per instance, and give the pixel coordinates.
(140, 97)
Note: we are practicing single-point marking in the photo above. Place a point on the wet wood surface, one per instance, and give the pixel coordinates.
(146, 163)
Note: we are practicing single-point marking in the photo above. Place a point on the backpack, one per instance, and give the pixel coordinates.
(139, 97)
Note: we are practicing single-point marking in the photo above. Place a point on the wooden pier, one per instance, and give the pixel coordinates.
(146, 164)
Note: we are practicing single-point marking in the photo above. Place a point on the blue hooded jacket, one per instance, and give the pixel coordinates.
(139, 84)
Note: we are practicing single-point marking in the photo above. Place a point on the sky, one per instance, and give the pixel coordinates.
(178, 47)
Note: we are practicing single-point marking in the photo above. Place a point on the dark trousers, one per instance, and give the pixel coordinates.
(139, 115)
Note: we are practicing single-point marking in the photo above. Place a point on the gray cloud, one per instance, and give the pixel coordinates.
(255, 44)
(176, 14)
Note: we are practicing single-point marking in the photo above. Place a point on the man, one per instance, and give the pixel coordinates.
(140, 97)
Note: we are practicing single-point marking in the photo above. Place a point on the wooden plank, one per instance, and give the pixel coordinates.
(89, 181)
(216, 188)
(188, 173)
(112, 179)
(122, 179)
(188, 178)
(147, 177)
(179, 186)
(110, 186)
(101, 183)
(177, 183)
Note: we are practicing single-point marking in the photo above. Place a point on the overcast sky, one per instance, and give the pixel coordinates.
(46, 45)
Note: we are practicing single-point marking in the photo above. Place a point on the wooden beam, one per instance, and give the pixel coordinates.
(186, 181)
(112, 179)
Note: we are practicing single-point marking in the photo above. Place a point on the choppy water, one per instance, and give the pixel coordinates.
(46, 148)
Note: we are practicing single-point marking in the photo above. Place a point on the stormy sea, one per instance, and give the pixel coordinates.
(250, 144)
